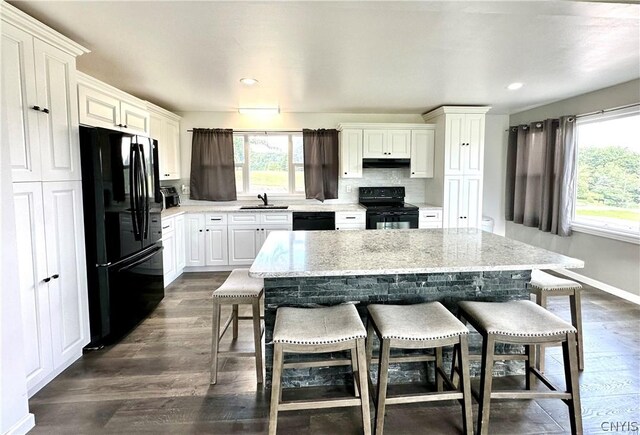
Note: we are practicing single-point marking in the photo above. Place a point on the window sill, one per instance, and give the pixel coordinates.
(606, 232)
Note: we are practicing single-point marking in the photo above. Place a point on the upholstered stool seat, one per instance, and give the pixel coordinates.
(419, 326)
(544, 285)
(319, 330)
(523, 322)
(238, 289)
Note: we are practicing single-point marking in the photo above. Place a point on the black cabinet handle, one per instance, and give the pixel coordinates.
(125, 126)
(47, 279)
(345, 173)
(164, 228)
(200, 230)
(36, 107)
(413, 173)
(45, 110)
(207, 229)
(56, 276)
(257, 229)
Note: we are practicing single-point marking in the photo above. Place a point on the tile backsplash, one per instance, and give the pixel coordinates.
(415, 188)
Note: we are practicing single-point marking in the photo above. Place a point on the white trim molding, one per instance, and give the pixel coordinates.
(601, 286)
(22, 426)
(606, 232)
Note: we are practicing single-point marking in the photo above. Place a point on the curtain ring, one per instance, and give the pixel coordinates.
(525, 127)
(570, 119)
(538, 125)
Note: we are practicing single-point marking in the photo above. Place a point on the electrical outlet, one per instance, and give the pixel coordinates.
(185, 189)
(349, 189)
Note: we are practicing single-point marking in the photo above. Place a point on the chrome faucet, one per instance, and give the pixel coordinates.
(264, 199)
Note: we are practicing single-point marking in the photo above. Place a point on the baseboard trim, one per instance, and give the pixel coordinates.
(601, 286)
(24, 425)
(50, 377)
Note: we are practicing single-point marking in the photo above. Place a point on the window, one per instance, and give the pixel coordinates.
(608, 191)
(269, 162)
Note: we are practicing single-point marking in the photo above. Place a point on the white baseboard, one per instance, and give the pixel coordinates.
(601, 286)
(37, 387)
(24, 425)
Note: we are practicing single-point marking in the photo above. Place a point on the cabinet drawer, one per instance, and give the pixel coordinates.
(349, 218)
(347, 227)
(244, 218)
(168, 225)
(275, 218)
(431, 215)
(215, 219)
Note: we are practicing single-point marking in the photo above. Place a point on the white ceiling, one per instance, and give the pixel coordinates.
(366, 57)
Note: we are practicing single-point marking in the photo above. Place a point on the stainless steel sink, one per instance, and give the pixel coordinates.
(264, 207)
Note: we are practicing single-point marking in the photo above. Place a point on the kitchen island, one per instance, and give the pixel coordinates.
(320, 268)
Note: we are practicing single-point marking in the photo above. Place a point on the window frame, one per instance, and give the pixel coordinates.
(600, 228)
(291, 166)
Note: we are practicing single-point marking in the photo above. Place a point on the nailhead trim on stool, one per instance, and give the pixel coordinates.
(238, 289)
(544, 285)
(523, 322)
(419, 326)
(319, 330)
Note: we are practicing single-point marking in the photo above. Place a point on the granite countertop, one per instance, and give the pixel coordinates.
(382, 252)
(425, 206)
(234, 207)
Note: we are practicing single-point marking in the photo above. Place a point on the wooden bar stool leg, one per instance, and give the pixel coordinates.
(364, 387)
(370, 335)
(215, 341)
(454, 364)
(530, 377)
(276, 387)
(541, 299)
(438, 364)
(257, 339)
(383, 378)
(486, 379)
(354, 368)
(576, 320)
(571, 378)
(235, 321)
(465, 380)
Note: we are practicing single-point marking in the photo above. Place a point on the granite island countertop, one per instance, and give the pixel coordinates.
(380, 252)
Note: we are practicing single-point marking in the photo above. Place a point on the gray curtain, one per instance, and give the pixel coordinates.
(320, 149)
(541, 175)
(212, 166)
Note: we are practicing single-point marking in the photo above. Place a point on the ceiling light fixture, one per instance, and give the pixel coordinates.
(248, 81)
(259, 110)
(514, 86)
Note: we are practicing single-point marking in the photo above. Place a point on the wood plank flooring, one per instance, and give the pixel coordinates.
(157, 381)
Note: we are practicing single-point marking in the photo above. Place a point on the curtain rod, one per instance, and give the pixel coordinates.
(260, 131)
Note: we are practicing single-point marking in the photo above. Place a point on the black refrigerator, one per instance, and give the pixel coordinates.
(122, 205)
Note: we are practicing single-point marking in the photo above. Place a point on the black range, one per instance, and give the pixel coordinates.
(386, 208)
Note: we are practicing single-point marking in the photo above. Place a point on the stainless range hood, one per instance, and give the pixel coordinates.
(386, 163)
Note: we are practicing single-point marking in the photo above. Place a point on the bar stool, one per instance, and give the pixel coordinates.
(319, 330)
(238, 289)
(544, 285)
(523, 322)
(420, 326)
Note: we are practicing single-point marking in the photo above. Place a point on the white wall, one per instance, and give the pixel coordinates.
(612, 262)
(14, 408)
(495, 162)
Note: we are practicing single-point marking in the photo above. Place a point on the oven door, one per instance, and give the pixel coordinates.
(392, 220)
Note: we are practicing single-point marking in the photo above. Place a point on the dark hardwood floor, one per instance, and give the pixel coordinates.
(157, 381)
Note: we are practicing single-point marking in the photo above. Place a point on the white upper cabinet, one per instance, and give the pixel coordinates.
(422, 151)
(39, 108)
(386, 143)
(165, 128)
(102, 105)
(351, 153)
(464, 144)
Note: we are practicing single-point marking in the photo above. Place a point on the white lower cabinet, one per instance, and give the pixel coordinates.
(462, 202)
(194, 240)
(180, 243)
(205, 240)
(173, 242)
(52, 275)
(351, 220)
(216, 251)
(244, 244)
(430, 218)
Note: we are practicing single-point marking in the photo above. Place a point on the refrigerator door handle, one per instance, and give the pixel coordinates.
(145, 185)
(141, 260)
(133, 191)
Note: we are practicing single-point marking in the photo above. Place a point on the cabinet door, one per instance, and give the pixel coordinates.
(399, 144)
(97, 108)
(194, 246)
(169, 260)
(32, 270)
(472, 202)
(216, 246)
(374, 143)
(19, 127)
(422, 150)
(57, 94)
(171, 165)
(157, 131)
(351, 153)
(180, 243)
(453, 215)
(244, 244)
(266, 231)
(64, 229)
(453, 148)
(473, 152)
(135, 119)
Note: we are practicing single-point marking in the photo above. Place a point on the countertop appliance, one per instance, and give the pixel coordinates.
(170, 196)
(316, 220)
(386, 208)
(122, 205)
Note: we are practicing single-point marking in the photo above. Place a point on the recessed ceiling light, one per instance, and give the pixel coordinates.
(248, 81)
(259, 110)
(514, 86)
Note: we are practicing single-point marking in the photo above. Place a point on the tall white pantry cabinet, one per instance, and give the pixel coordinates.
(458, 164)
(40, 126)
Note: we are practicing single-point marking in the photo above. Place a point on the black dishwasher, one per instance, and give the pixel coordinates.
(314, 220)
